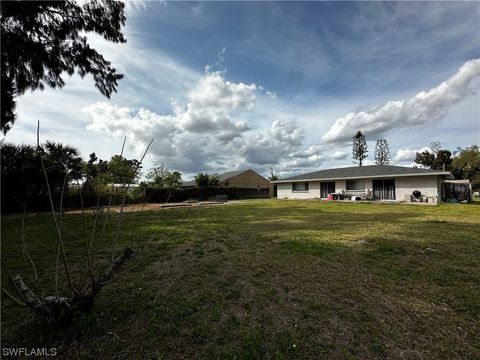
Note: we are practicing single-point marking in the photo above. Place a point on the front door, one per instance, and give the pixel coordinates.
(383, 189)
(326, 188)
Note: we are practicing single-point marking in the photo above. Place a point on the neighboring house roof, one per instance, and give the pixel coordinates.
(228, 175)
(188, 183)
(355, 172)
(222, 177)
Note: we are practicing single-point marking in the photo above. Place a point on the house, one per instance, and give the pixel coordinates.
(375, 182)
(240, 179)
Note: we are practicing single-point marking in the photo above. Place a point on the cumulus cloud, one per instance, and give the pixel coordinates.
(204, 134)
(287, 131)
(425, 107)
(339, 155)
(408, 155)
(277, 143)
(213, 90)
(139, 127)
(211, 103)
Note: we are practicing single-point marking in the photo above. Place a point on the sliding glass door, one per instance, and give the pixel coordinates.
(326, 188)
(384, 189)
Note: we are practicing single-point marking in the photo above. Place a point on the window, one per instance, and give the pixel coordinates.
(300, 186)
(356, 185)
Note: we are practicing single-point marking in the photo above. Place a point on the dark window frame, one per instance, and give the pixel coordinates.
(305, 187)
(354, 183)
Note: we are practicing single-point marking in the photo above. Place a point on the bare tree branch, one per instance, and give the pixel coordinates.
(59, 232)
(11, 279)
(13, 298)
(94, 226)
(110, 197)
(123, 201)
(87, 247)
(24, 250)
(60, 218)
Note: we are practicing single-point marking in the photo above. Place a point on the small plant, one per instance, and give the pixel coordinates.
(56, 307)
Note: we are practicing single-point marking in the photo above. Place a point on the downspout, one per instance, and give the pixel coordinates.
(443, 188)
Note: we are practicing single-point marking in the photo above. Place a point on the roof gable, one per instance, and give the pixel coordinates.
(224, 177)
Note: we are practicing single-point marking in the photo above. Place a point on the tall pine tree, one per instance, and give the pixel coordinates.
(382, 152)
(359, 148)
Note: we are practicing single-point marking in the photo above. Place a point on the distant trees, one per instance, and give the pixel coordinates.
(466, 165)
(23, 180)
(22, 175)
(273, 176)
(95, 172)
(160, 176)
(213, 180)
(123, 171)
(205, 180)
(43, 39)
(382, 152)
(359, 148)
(436, 159)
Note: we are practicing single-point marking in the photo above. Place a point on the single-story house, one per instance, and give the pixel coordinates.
(375, 182)
(240, 179)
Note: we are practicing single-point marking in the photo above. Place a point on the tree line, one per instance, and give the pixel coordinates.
(24, 185)
(463, 163)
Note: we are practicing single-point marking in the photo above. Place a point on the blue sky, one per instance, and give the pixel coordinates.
(229, 85)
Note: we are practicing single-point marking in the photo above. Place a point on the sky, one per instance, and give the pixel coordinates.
(224, 86)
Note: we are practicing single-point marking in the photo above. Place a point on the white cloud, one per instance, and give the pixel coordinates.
(425, 107)
(211, 103)
(213, 90)
(408, 155)
(278, 143)
(190, 137)
(287, 131)
(139, 127)
(271, 94)
(339, 155)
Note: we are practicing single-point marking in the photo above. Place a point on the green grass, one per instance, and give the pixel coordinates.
(269, 279)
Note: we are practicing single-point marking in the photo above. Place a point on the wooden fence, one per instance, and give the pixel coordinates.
(204, 193)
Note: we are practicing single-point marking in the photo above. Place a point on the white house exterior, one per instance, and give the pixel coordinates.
(375, 182)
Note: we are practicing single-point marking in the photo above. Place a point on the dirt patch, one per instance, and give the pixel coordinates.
(149, 207)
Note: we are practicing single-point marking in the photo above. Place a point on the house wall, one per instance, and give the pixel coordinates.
(284, 191)
(427, 185)
(249, 179)
(340, 185)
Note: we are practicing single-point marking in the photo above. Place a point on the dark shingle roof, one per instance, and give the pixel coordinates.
(222, 177)
(364, 171)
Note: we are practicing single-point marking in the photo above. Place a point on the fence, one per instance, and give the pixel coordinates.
(203, 193)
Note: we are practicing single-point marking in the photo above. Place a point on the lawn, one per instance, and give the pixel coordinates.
(268, 279)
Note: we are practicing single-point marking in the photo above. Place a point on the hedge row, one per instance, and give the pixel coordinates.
(41, 202)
